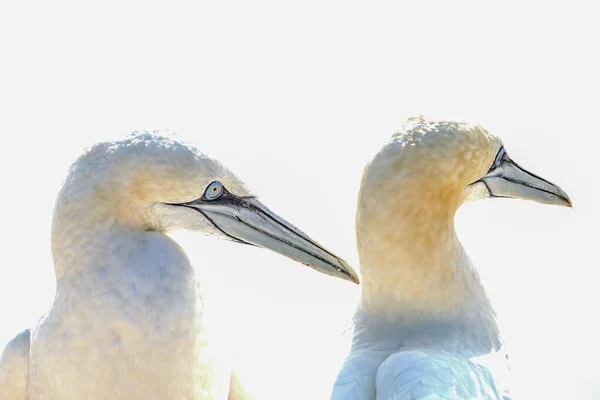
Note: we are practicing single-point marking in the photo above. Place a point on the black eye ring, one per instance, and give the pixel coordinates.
(214, 190)
(499, 158)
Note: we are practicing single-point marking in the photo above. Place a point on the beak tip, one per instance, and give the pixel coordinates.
(348, 272)
(353, 279)
(566, 198)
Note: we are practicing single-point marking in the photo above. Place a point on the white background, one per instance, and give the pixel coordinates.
(295, 99)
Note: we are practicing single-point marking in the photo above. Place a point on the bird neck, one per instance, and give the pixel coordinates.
(87, 237)
(413, 266)
(89, 215)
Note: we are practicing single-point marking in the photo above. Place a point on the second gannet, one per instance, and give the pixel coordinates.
(424, 327)
(127, 320)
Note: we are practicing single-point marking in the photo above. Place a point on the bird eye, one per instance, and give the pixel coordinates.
(214, 191)
(498, 159)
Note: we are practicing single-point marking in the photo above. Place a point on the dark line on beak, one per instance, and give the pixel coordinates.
(298, 247)
(518, 182)
(511, 161)
(490, 194)
(289, 229)
(233, 238)
(238, 201)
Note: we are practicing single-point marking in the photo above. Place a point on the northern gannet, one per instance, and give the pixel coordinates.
(127, 318)
(424, 327)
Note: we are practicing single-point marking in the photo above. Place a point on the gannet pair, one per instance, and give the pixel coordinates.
(127, 317)
(424, 327)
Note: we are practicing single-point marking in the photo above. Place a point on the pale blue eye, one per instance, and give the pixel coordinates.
(214, 191)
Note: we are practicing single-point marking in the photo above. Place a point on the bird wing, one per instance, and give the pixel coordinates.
(356, 380)
(14, 368)
(427, 375)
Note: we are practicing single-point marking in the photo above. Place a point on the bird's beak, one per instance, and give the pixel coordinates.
(246, 220)
(508, 179)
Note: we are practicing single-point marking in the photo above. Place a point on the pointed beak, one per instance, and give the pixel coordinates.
(246, 220)
(509, 179)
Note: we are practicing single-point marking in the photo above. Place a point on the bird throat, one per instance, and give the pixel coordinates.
(412, 263)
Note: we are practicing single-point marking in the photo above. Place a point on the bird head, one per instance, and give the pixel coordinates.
(158, 183)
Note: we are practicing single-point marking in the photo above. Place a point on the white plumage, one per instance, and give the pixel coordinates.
(128, 321)
(424, 327)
